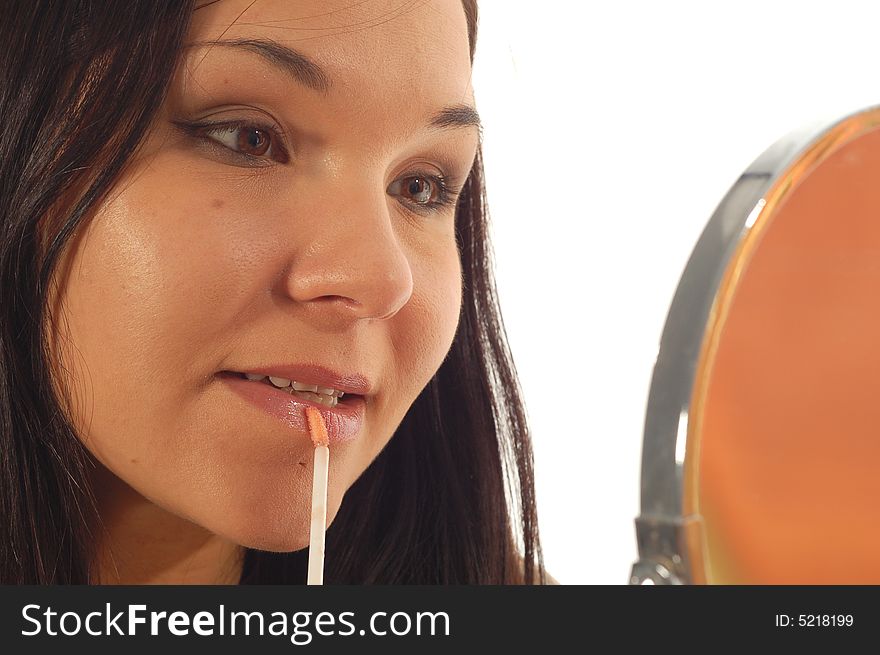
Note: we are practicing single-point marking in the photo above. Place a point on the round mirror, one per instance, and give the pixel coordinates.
(762, 432)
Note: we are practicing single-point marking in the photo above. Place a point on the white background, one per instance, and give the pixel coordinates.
(612, 131)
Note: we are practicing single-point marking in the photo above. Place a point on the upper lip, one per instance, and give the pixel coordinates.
(350, 383)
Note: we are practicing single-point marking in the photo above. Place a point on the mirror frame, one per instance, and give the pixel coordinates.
(669, 533)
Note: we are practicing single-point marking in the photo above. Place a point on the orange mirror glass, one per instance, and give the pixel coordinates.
(787, 397)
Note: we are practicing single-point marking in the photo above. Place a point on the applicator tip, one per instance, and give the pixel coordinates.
(317, 428)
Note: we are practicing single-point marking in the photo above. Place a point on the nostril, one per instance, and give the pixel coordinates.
(345, 301)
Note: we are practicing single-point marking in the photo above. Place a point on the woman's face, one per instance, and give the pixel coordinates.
(285, 217)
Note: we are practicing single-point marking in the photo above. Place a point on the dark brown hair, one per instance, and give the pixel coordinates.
(431, 509)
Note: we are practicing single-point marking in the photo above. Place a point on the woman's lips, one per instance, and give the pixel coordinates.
(344, 421)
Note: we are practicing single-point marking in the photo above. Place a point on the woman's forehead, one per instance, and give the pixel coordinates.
(421, 46)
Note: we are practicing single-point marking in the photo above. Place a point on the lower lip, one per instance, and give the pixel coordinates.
(344, 421)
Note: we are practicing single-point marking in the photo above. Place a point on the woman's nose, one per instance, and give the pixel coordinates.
(349, 260)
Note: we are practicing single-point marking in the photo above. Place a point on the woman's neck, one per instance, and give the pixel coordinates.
(139, 542)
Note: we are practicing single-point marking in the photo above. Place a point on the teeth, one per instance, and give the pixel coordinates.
(328, 401)
(324, 395)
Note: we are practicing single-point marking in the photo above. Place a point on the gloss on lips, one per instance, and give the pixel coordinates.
(344, 419)
(317, 530)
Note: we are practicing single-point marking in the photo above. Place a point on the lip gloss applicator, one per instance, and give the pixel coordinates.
(318, 432)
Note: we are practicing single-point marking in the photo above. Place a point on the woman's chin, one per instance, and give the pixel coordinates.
(276, 543)
(272, 533)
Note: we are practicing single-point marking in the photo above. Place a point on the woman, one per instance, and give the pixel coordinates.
(203, 203)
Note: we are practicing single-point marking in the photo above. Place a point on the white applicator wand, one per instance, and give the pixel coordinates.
(318, 432)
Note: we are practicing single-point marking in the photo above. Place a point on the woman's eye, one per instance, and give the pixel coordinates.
(250, 140)
(419, 189)
(423, 191)
(256, 143)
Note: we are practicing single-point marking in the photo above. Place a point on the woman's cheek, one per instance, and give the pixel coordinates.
(434, 310)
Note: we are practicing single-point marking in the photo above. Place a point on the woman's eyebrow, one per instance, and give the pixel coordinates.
(457, 116)
(292, 62)
(310, 74)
